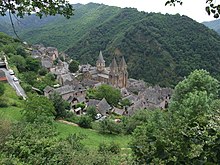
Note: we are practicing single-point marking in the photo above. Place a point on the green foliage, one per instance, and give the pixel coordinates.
(42, 71)
(2, 88)
(91, 112)
(37, 106)
(21, 8)
(112, 147)
(85, 121)
(125, 102)
(32, 64)
(59, 105)
(108, 126)
(111, 94)
(188, 132)
(80, 105)
(19, 61)
(74, 66)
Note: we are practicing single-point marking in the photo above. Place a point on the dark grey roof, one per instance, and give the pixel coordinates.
(48, 89)
(103, 106)
(93, 102)
(64, 89)
(118, 111)
(46, 63)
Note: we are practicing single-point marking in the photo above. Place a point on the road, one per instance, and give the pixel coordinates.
(15, 85)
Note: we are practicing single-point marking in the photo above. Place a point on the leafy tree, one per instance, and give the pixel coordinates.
(36, 143)
(212, 7)
(91, 112)
(59, 104)
(108, 126)
(32, 64)
(19, 61)
(111, 94)
(42, 71)
(74, 66)
(37, 106)
(189, 132)
(46, 7)
(2, 89)
(85, 121)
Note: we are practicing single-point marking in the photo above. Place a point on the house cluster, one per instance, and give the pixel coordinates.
(51, 59)
(73, 90)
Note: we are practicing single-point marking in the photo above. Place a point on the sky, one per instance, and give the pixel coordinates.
(194, 9)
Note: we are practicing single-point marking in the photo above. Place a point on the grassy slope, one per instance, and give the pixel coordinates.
(92, 140)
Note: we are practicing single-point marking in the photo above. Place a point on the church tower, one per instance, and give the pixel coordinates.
(100, 63)
(123, 74)
(113, 74)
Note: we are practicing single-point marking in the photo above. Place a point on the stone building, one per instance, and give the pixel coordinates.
(115, 75)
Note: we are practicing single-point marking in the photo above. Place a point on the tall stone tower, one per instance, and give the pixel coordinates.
(123, 74)
(100, 63)
(113, 74)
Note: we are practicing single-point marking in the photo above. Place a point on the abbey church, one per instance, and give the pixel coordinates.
(115, 75)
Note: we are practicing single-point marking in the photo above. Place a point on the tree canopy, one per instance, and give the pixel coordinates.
(187, 133)
(46, 7)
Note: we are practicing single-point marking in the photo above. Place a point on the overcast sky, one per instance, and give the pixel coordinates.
(192, 8)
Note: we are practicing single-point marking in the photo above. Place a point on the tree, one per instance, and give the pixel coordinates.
(59, 104)
(19, 62)
(189, 132)
(38, 106)
(211, 8)
(2, 88)
(91, 112)
(111, 94)
(32, 64)
(74, 66)
(46, 7)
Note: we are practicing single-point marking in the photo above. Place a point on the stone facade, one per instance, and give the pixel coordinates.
(114, 75)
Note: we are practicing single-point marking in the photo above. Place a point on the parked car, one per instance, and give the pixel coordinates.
(15, 79)
(11, 72)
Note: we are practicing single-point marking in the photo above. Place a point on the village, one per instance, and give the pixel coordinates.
(73, 89)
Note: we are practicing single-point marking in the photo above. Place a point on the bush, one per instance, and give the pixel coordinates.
(85, 121)
(112, 147)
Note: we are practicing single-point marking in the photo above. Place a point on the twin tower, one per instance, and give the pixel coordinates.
(117, 74)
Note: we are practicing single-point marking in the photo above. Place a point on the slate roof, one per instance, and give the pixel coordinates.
(48, 89)
(100, 58)
(118, 111)
(103, 107)
(93, 102)
(46, 63)
(64, 89)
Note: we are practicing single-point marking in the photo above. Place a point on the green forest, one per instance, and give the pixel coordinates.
(159, 49)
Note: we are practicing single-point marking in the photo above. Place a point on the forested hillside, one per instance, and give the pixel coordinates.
(215, 25)
(160, 49)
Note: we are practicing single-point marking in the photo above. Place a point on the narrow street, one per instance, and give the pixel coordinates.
(16, 85)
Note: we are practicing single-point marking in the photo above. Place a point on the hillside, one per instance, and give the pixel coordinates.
(215, 25)
(160, 49)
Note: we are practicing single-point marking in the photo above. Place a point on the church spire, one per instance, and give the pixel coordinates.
(100, 58)
(114, 66)
(100, 63)
(123, 65)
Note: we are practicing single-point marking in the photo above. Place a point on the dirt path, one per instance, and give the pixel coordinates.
(69, 123)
